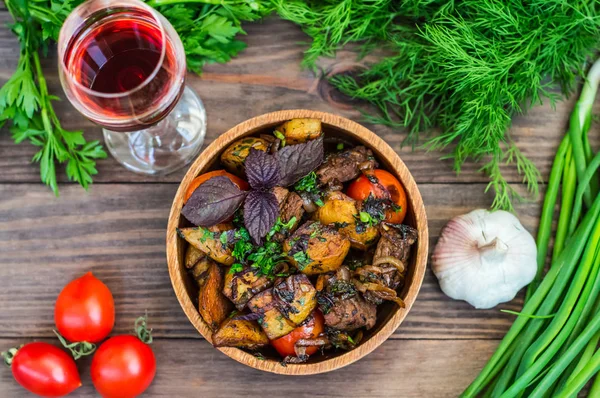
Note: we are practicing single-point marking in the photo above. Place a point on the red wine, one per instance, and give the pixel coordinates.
(129, 65)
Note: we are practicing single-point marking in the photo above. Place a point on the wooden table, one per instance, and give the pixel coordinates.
(117, 230)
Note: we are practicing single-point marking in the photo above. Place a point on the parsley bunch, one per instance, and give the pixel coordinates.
(207, 31)
(26, 102)
(208, 28)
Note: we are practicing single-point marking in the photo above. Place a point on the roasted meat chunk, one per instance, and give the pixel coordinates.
(342, 305)
(281, 194)
(390, 260)
(290, 208)
(346, 165)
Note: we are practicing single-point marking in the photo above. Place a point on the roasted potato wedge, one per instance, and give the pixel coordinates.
(192, 255)
(212, 304)
(272, 321)
(297, 131)
(241, 334)
(201, 268)
(297, 296)
(234, 156)
(340, 210)
(207, 240)
(316, 249)
(241, 286)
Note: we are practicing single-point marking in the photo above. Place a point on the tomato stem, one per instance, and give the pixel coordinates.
(78, 349)
(9, 355)
(141, 329)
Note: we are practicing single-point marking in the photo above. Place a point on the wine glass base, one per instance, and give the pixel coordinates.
(168, 145)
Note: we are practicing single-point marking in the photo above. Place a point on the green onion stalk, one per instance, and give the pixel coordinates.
(552, 345)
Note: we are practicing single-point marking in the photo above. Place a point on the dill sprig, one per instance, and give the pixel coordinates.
(458, 70)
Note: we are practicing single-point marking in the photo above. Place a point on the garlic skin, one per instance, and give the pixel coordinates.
(484, 258)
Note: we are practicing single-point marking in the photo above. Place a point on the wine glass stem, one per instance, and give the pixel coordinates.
(168, 145)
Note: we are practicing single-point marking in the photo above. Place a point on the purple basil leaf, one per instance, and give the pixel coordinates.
(260, 214)
(213, 202)
(262, 169)
(296, 161)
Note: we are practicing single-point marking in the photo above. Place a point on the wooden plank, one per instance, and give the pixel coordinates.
(118, 232)
(192, 368)
(265, 78)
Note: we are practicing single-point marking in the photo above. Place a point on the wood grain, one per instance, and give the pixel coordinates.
(388, 317)
(118, 232)
(267, 77)
(192, 368)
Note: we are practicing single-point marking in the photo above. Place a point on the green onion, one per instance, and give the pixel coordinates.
(551, 348)
(572, 388)
(567, 196)
(545, 228)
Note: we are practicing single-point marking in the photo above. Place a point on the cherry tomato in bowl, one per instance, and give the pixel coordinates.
(85, 310)
(43, 369)
(311, 329)
(196, 182)
(124, 366)
(381, 184)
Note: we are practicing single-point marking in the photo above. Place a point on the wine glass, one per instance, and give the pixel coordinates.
(122, 65)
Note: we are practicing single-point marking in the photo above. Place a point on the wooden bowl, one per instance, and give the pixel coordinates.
(389, 315)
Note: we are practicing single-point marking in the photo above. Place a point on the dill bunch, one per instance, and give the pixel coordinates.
(459, 70)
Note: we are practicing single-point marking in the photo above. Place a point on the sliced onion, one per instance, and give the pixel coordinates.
(296, 359)
(343, 273)
(314, 342)
(369, 269)
(358, 337)
(308, 204)
(380, 291)
(390, 260)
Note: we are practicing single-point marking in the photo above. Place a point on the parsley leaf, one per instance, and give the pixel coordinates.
(309, 184)
(26, 102)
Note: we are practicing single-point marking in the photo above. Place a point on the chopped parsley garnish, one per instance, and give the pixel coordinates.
(373, 211)
(279, 134)
(235, 268)
(340, 225)
(223, 237)
(206, 234)
(309, 184)
(262, 258)
(280, 226)
(365, 220)
(302, 260)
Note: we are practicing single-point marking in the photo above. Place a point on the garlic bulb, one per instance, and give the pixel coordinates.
(484, 258)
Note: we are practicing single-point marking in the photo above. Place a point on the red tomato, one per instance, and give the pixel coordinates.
(196, 182)
(85, 310)
(123, 367)
(285, 345)
(360, 189)
(45, 370)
